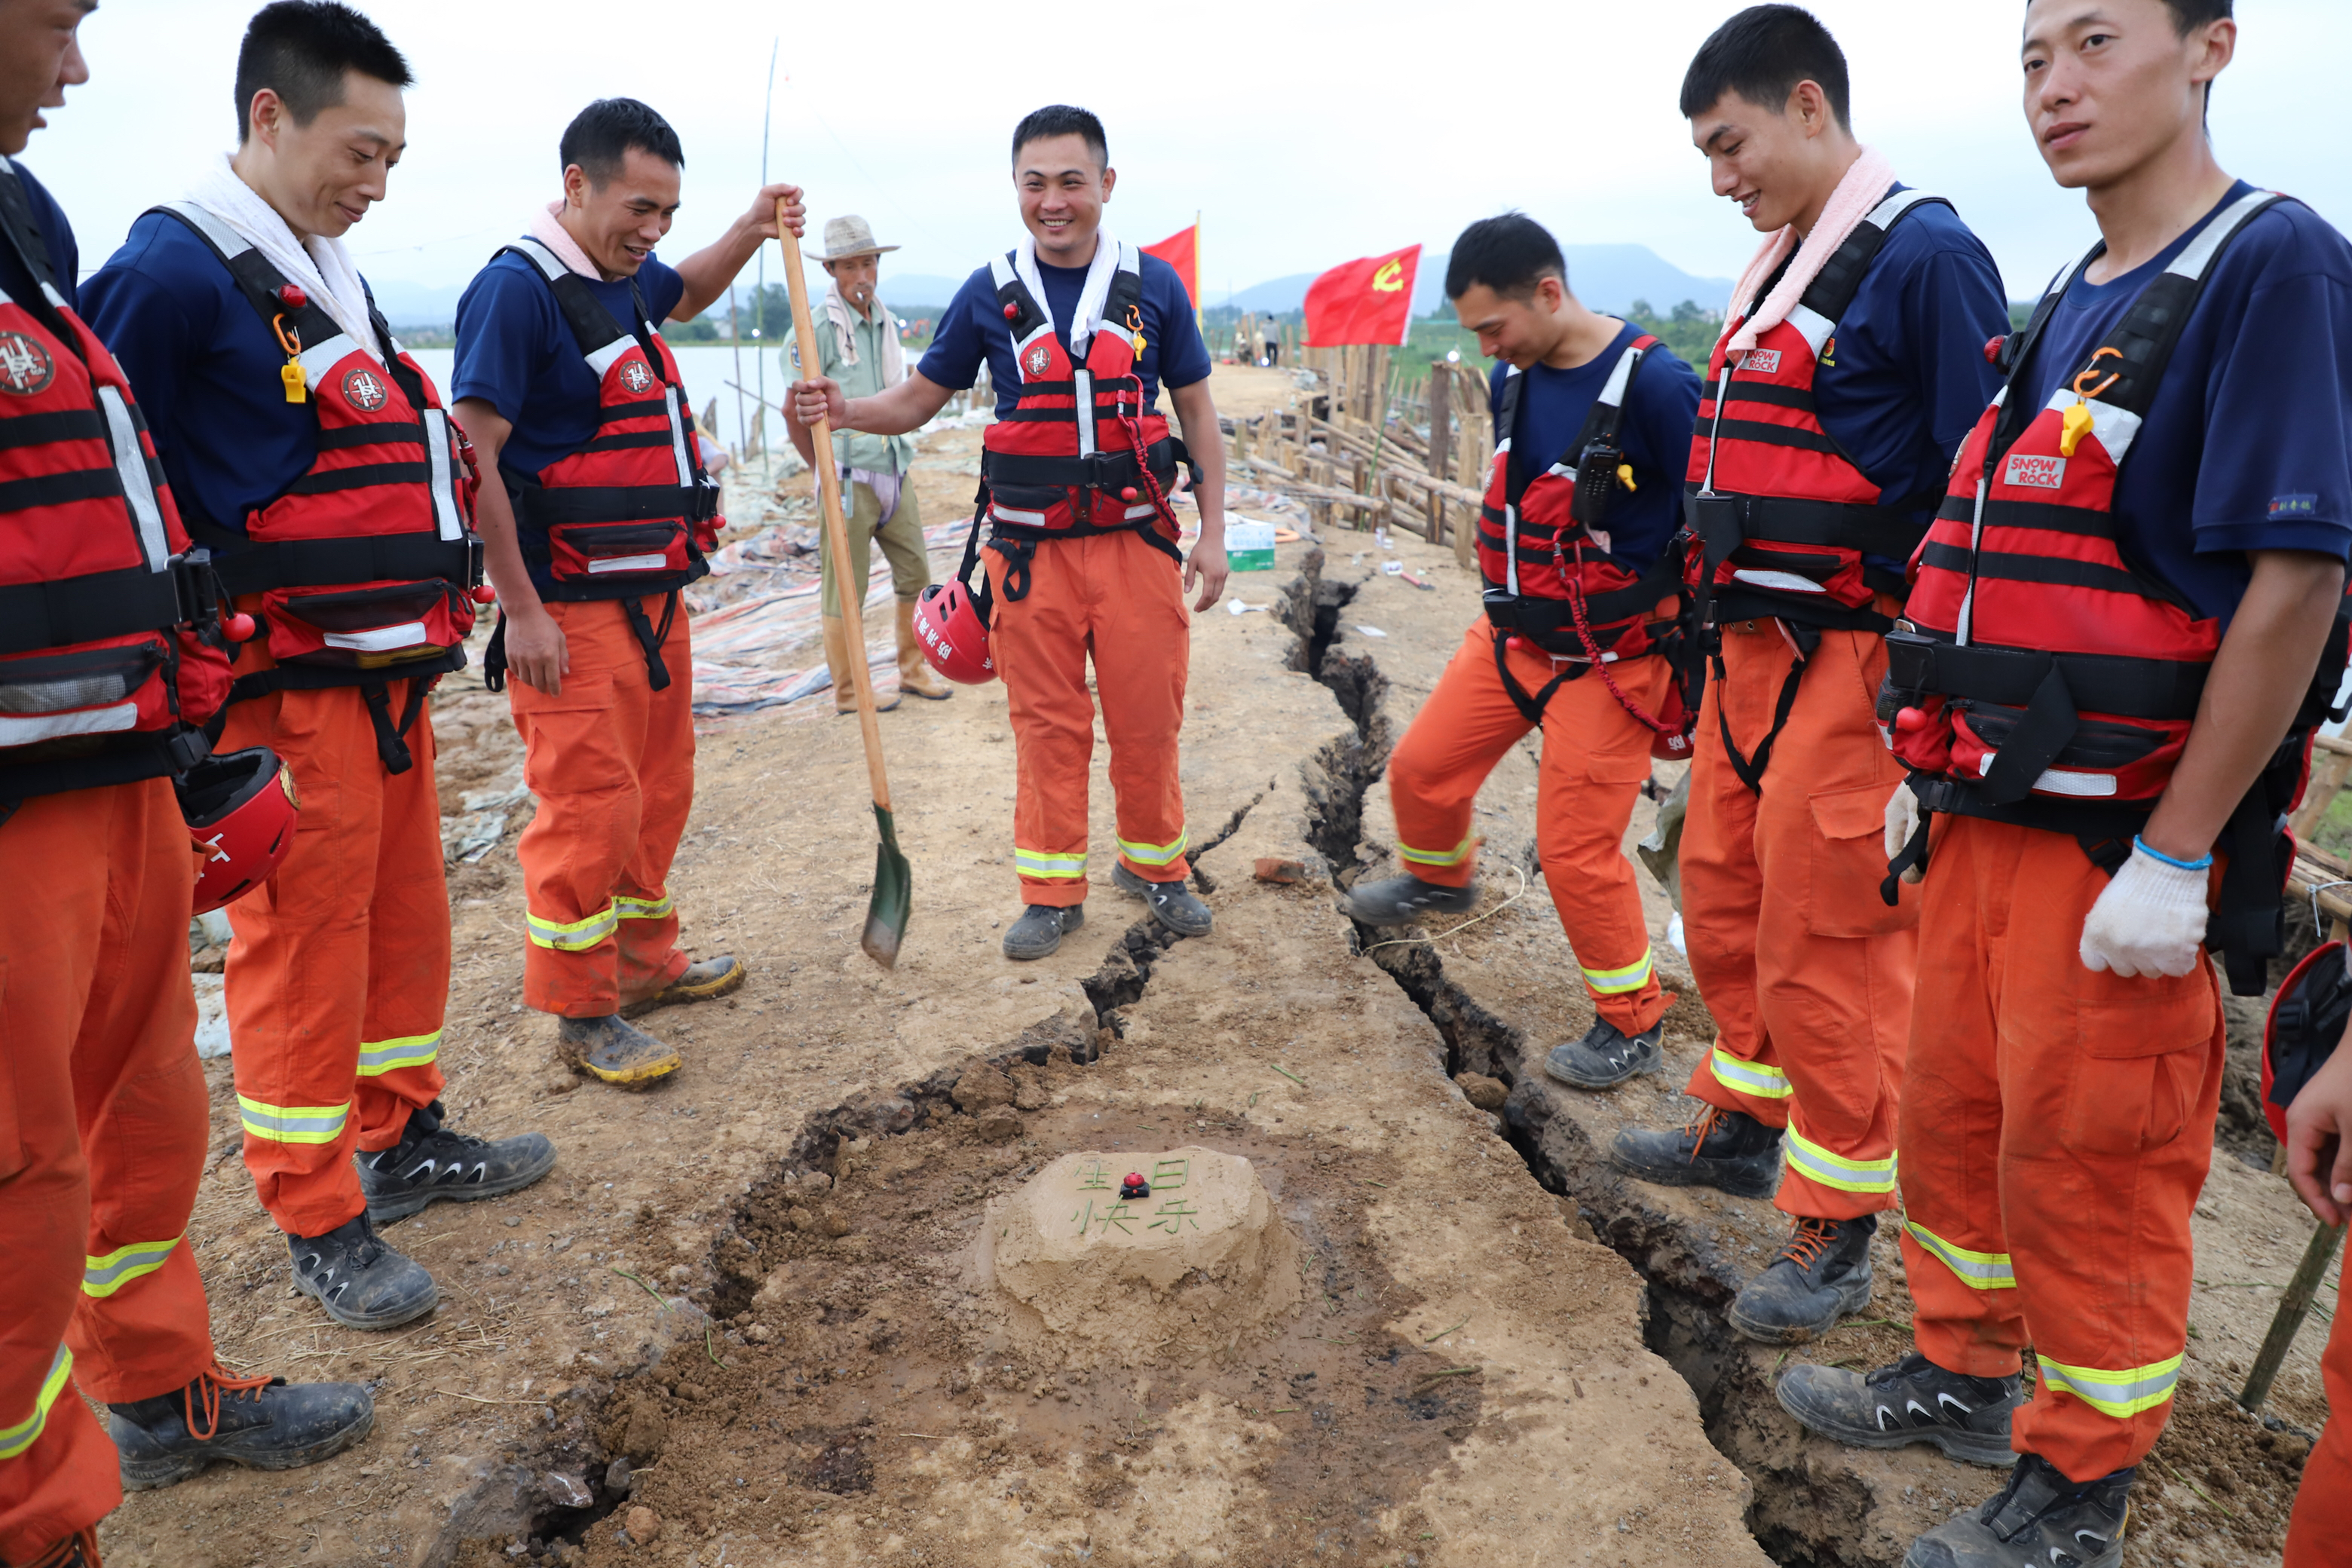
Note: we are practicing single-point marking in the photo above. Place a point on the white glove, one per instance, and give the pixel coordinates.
(2149, 920)
(1902, 822)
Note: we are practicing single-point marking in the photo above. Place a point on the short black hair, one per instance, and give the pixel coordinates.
(1762, 54)
(1510, 255)
(2188, 15)
(1062, 119)
(301, 50)
(601, 135)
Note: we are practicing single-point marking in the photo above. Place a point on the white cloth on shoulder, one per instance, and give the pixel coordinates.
(320, 266)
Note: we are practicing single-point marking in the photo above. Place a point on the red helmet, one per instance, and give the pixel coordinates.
(239, 807)
(954, 634)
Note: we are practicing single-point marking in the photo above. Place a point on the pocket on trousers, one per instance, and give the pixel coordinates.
(1849, 862)
(2141, 1068)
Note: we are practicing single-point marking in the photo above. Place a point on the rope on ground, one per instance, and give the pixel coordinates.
(1465, 925)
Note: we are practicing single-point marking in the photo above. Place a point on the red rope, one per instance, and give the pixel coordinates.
(1575, 585)
(1133, 424)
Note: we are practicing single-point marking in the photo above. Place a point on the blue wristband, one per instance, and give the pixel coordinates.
(2202, 864)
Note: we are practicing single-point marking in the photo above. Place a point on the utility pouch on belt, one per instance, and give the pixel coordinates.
(371, 627)
(617, 552)
(1715, 519)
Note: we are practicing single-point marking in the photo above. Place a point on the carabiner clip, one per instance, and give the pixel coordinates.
(2093, 369)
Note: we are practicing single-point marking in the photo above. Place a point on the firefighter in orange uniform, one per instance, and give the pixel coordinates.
(316, 461)
(1079, 332)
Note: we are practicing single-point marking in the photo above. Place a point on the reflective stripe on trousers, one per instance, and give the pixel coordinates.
(378, 1056)
(2120, 1392)
(1761, 1079)
(15, 1440)
(1153, 853)
(105, 1276)
(577, 937)
(1977, 1270)
(1808, 1159)
(629, 909)
(294, 1123)
(1616, 982)
(1034, 863)
(1454, 856)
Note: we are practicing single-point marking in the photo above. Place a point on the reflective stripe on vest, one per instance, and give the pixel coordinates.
(1760, 1079)
(380, 1057)
(15, 1439)
(293, 1123)
(1810, 1160)
(1977, 1270)
(1760, 446)
(2121, 1392)
(102, 1277)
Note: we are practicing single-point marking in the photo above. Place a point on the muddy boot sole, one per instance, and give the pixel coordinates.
(684, 991)
(171, 1470)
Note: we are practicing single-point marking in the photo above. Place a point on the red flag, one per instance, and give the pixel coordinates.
(1366, 302)
(1182, 250)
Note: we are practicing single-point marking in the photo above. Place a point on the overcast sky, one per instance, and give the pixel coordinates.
(1305, 135)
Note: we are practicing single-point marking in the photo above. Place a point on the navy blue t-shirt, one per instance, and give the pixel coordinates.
(205, 369)
(2248, 443)
(1660, 407)
(56, 237)
(516, 353)
(974, 328)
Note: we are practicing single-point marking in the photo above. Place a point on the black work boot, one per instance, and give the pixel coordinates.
(1822, 1274)
(1400, 900)
(1728, 1150)
(615, 1051)
(2040, 1520)
(1912, 1401)
(261, 1422)
(704, 980)
(1040, 930)
(362, 1283)
(434, 1160)
(1606, 1056)
(1172, 903)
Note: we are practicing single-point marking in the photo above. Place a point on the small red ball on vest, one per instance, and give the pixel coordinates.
(292, 297)
(1128, 494)
(1012, 312)
(1993, 348)
(1910, 721)
(240, 628)
(484, 594)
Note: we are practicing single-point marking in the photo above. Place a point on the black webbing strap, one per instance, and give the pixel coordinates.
(1912, 857)
(390, 743)
(374, 689)
(2247, 926)
(651, 637)
(249, 566)
(494, 657)
(1531, 707)
(1750, 768)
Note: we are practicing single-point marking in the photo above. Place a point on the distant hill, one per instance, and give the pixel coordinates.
(1606, 277)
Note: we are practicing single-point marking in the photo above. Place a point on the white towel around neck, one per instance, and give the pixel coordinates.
(321, 267)
(1091, 298)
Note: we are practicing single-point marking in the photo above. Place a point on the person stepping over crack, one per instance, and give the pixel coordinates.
(1580, 596)
(1083, 563)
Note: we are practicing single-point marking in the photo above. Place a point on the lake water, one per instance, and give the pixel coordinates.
(707, 373)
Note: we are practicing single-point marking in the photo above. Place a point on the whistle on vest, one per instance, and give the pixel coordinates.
(297, 381)
(2075, 424)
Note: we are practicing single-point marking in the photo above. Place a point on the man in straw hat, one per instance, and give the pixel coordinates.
(857, 346)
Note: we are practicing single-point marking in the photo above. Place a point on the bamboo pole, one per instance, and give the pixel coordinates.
(2293, 1305)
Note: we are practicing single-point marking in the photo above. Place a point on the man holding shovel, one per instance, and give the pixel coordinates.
(604, 513)
(857, 346)
(1078, 331)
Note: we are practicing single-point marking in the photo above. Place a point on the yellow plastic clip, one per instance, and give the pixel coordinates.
(291, 373)
(1625, 476)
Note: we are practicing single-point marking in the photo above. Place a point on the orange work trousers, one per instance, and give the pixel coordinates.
(1807, 971)
(338, 973)
(103, 1120)
(1116, 597)
(2319, 1535)
(1595, 756)
(2057, 1125)
(612, 762)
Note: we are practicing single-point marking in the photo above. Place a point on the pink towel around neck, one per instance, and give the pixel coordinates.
(1865, 185)
(551, 234)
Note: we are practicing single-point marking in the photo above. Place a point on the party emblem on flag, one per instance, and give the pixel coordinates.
(25, 367)
(1038, 359)
(635, 376)
(364, 389)
(1390, 278)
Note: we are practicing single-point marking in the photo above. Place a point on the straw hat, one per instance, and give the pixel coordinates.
(848, 237)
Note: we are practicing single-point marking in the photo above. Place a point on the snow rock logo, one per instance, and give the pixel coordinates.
(2034, 473)
(1763, 362)
(364, 390)
(634, 376)
(25, 367)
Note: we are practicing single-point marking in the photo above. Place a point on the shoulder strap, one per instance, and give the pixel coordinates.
(1123, 305)
(1506, 429)
(23, 234)
(1606, 417)
(600, 338)
(318, 339)
(1024, 317)
(2151, 329)
(1830, 293)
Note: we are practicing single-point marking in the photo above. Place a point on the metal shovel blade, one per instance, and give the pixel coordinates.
(894, 895)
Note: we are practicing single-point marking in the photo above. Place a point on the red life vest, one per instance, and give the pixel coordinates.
(630, 514)
(1784, 517)
(1079, 454)
(104, 675)
(365, 563)
(2041, 677)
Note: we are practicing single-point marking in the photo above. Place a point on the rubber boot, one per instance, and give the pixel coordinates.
(1040, 930)
(1911, 1401)
(1398, 901)
(434, 1160)
(1606, 1056)
(916, 676)
(1822, 1274)
(1171, 903)
(261, 1422)
(837, 659)
(704, 980)
(1728, 1150)
(615, 1051)
(360, 1282)
(2040, 1520)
